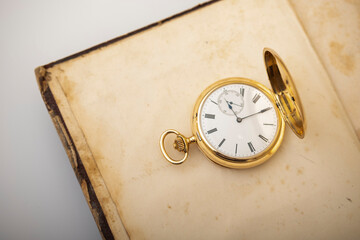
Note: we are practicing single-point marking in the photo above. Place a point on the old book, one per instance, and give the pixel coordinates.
(334, 30)
(111, 102)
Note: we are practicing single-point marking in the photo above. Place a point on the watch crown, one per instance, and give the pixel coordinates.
(179, 144)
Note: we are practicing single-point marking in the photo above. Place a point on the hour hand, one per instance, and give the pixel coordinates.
(231, 108)
(228, 103)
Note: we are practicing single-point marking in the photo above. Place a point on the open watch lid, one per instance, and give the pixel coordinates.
(286, 96)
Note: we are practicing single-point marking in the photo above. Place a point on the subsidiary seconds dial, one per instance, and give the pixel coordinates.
(230, 101)
(238, 121)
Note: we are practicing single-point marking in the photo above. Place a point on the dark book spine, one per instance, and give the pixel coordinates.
(42, 78)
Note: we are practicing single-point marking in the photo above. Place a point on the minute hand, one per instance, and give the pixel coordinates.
(262, 111)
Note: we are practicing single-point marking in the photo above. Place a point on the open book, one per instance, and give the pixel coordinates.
(111, 103)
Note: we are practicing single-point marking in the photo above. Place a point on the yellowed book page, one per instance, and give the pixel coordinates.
(333, 28)
(124, 95)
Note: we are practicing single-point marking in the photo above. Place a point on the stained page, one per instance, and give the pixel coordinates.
(118, 99)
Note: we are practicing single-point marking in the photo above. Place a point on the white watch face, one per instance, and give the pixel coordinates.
(238, 120)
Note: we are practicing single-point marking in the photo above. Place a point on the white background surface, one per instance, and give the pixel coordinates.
(40, 197)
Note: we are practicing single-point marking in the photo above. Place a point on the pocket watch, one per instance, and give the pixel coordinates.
(240, 123)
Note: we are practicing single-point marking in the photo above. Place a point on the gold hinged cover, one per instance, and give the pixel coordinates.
(286, 95)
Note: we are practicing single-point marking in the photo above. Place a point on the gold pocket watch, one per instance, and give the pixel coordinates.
(240, 123)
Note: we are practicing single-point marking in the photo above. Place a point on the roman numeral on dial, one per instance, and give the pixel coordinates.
(212, 130)
(210, 116)
(252, 149)
(242, 91)
(213, 102)
(263, 138)
(222, 141)
(256, 98)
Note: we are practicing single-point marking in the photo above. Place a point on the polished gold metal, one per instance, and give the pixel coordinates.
(286, 96)
(286, 103)
(181, 144)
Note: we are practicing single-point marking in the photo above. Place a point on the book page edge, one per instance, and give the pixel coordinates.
(92, 185)
(331, 81)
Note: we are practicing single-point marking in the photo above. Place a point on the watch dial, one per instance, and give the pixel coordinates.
(238, 120)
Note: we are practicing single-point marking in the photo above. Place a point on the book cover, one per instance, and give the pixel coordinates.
(111, 103)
